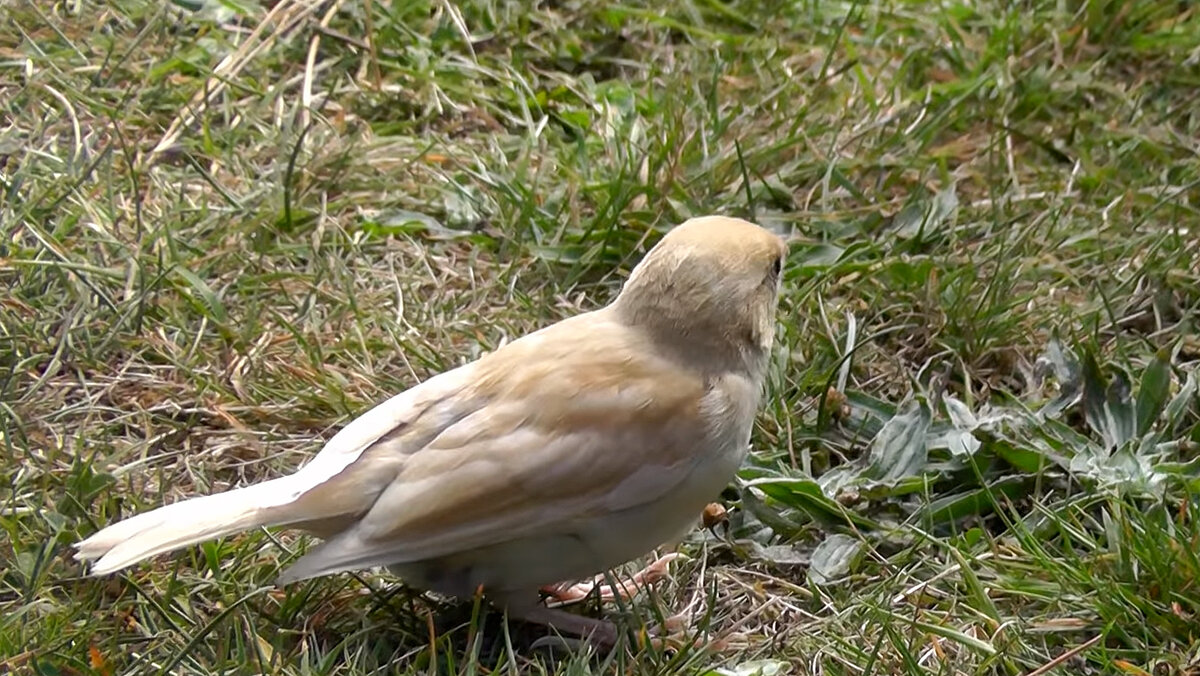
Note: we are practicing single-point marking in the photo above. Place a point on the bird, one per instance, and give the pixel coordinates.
(562, 454)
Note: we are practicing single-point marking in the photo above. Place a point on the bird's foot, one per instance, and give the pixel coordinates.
(566, 593)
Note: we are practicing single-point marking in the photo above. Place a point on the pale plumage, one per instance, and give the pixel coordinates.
(567, 452)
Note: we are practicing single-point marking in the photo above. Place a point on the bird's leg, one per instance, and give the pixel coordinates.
(600, 633)
(566, 594)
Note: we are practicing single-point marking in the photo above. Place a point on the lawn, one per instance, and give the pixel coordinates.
(228, 227)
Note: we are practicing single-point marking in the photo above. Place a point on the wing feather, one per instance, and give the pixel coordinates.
(600, 431)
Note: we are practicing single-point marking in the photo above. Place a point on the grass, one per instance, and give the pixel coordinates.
(230, 227)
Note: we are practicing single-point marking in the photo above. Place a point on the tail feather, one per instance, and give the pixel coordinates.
(185, 523)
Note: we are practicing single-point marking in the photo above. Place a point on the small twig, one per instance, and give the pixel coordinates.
(342, 37)
(1066, 656)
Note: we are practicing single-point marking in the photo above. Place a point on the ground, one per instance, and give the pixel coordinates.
(229, 227)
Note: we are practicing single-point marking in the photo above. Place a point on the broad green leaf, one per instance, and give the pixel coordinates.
(1118, 402)
(1180, 470)
(872, 406)
(807, 496)
(1107, 406)
(1065, 367)
(1152, 446)
(1062, 362)
(921, 217)
(880, 490)
(958, 437)
(210, 299)
(779, 555)
(867, 415)
(773, 518)
(1062, 438)
(1153, 391)
(969, 538)
(960, 442)
(1093, 398)
(969, 503)
(907, 271)
(960, 414)
(1180, 401)
(815, 255)
(833, 481)
(834, 558)
(1026, 459)
(899, 449)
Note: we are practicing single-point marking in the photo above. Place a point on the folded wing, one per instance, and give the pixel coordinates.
(566, 435)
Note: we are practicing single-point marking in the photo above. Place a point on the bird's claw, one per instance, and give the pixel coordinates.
(566, 593)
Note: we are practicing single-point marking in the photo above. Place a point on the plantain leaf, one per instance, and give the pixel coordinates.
(834, 558)
(899, 450)
(958, 437)
(1106, 406)
(1181, 400)
(772, 517)
(1028, 458)
(1062, 362)
(776, 555)
(1065, 367)
(973, 502)
(960, 414)
(1153, 391)
(1120, 409)
(815, 255)
(807, 496)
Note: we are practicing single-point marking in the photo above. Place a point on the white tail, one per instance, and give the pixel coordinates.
(329, 487)
(184, 523)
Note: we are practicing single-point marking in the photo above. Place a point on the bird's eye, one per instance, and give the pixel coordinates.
(777, 267)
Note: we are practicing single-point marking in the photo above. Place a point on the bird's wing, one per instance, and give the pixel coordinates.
(332, 488)
(571, 429)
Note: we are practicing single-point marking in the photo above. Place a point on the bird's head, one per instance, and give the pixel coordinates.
(709, 288)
